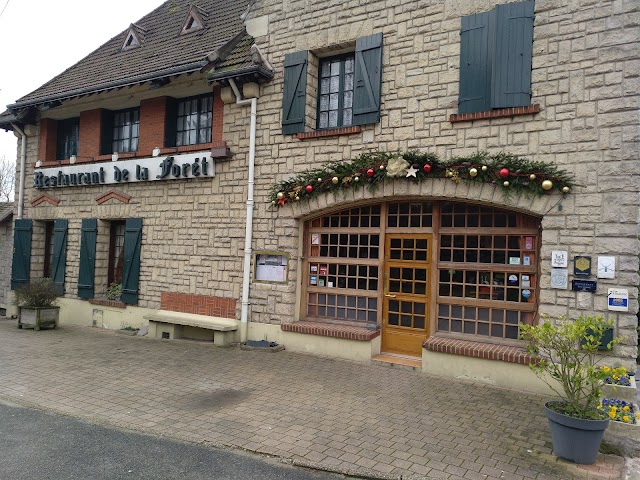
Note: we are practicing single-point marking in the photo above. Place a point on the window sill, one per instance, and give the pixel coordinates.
(107, 303)
(499, 113)
(362, 334)
(488, 351)
(333, 132)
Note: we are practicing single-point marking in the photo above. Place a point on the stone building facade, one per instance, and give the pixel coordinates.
(580, 114)
(6, 247)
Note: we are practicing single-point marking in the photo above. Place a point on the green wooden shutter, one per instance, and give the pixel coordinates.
(59, 257)
(171, 122)
(21, 266)
(86, 277)
(475, 63)
(511, 79)
(131, 267)
(106, 134)
(295, 91)
(368, 80)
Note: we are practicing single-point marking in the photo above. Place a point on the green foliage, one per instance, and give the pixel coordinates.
(37, 294)
(353, 174)
(568, 351)
(114, 291)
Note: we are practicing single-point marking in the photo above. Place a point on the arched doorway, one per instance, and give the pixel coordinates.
(413, 268)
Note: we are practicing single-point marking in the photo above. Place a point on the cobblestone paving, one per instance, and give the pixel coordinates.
(338, 415)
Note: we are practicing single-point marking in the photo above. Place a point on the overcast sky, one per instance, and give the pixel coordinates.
(41, 38)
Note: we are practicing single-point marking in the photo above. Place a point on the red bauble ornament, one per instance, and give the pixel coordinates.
(309, 188)
(504, 172)
(426, 168)
(370, 172)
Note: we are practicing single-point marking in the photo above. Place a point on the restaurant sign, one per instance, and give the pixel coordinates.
(189, 165)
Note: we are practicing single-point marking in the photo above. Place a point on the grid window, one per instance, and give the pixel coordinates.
(126, 125)
(354, 277)
(499, 249)
(116, 251)
(194, 120)
(482, 321)
(67, 138)
(404, 313)
(335, 99)
(349, 245)
(408, 214)
(365, 217)
(342, 307)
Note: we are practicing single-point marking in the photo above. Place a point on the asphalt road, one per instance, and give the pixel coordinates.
(35, 445)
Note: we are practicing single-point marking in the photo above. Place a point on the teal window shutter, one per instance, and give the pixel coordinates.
(171, 122)
(59, 257)
(511, 82)
(295, 91)
(131, 267)
(21, 266)
(475, 63)
(86, 277)
(368, 80)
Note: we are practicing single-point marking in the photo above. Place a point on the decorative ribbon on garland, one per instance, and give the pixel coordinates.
(510, 172)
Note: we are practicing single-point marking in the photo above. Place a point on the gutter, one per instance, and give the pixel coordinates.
(23, 161)
(248, 236)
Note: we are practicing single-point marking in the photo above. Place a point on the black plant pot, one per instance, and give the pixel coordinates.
(575, 439)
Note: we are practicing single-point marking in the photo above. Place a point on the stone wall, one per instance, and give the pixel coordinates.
(586, 79)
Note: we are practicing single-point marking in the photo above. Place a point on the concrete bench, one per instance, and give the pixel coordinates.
(166, 324)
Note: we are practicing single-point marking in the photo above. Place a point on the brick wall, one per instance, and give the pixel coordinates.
(90, 135)
(48, 139)
(152, 119)
(198, 304)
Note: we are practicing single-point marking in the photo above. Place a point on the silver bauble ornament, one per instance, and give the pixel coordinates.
(356, 179)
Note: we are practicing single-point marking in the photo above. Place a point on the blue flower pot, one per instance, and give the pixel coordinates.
(575, 439)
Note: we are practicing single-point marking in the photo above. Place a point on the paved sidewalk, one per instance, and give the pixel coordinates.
(374, 420)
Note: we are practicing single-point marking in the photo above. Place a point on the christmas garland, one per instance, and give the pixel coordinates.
(510, 172)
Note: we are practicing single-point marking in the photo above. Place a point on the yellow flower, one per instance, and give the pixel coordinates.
(600, 406)
(626, 408)
(626, 419)
(612, 414)
(606, 369)
(614, 408)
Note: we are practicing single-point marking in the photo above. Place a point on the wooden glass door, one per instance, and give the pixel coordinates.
(405, 316)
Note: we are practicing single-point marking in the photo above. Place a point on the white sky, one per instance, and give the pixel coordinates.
(41, 38)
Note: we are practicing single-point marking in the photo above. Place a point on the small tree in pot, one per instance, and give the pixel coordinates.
(568, 351)
(36, 304)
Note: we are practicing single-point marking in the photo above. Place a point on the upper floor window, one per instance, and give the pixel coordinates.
(335, 105)
(116, 251)
(126, 125)
(67, 138)
(495, 58)
(194, 117)
(349, 90)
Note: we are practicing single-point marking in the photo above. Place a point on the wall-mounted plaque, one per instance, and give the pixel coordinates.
(606, 267)
(559, 278)
(559, 258)
(582, 266)
(584, 285)
(271, 267)
(618, 299)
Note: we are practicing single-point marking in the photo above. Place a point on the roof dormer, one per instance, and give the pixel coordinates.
(134, 37)
(194, 21)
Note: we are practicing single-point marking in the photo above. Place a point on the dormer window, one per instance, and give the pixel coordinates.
(134, 37)
(194, 21)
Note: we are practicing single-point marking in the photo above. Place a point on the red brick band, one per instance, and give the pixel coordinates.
(331, 330)
(198, 304)
(487, 351)
(334, 132)
(498, 113)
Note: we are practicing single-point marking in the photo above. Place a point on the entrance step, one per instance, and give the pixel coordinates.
(402, 361)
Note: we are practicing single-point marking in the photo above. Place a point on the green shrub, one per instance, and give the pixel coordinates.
(37, 294)
(114, 291)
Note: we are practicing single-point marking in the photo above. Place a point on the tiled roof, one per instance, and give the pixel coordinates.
(6, 210)
(163, 50)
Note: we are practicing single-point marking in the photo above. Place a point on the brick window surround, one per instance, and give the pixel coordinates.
(488, 351)
(497, 113)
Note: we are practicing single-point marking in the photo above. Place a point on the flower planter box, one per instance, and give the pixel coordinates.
(38, 317)
(628, 394)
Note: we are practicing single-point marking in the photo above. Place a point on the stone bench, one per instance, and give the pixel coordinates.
(167, 324)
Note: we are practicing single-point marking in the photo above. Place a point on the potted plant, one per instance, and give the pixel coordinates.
(36, 304)
(568, 354)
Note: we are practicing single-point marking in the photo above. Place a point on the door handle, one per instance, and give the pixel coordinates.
(389, 295)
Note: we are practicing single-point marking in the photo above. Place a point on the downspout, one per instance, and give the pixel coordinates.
(246, 273)
(23, 161)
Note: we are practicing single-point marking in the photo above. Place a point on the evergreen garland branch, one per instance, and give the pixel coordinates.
(510, 172)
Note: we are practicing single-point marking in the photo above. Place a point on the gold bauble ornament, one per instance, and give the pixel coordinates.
(532, 177)
(280, 195)
(381, 167)
(297, 199)
(547, 185)
(319, 179)
(273, 202)
(335, 180)
(506, 183)
(449, 174)
(356, 179)
(484, 168)
(473, 172)
(566, 189)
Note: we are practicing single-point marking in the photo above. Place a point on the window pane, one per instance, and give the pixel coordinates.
(348, 99)
(334, 84)
(333, 101)
(348, 65)
(324, 102)
(333, 119)
(348, 82)
(324, 86)
(335, 67)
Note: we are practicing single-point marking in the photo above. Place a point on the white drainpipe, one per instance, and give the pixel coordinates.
(23, 161)
(246, 273)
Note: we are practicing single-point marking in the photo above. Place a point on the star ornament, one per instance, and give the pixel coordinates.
(411, 172)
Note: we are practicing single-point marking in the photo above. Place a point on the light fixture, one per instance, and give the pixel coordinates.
(114, 157)
(38, 164)
(72, 159)
(156, 152)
